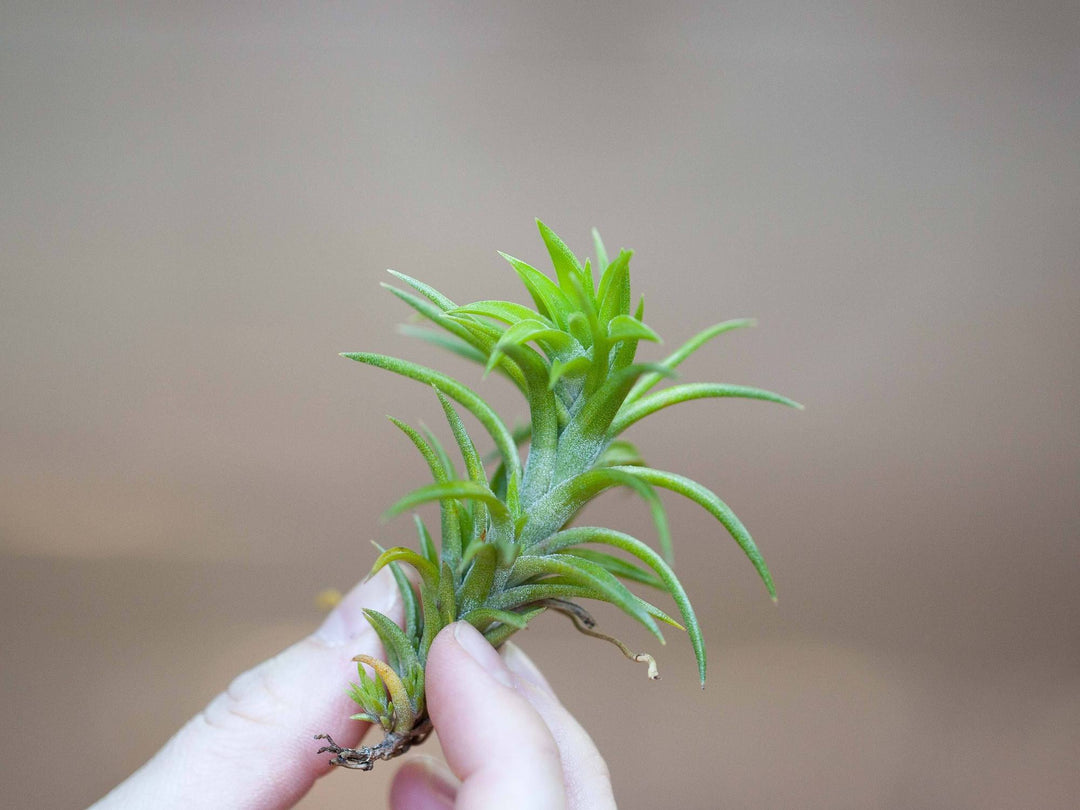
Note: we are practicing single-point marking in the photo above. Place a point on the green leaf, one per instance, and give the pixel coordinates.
(442, 471)
(614, 293)
(404, 712)
(428, 572)
(553, 341)
(521, 595)
(448, 342)
(626, 327)
(433, 622)
(456, 391)
(433, 295)
(574, 367)
(578, 326)
(512, 497)
(619, 452)
(566, 264)
(544, 413)
(482, 618)
(467, 490)
(473, 465)
(444, 458)
(626, 350)
(589, 283)
(481, 336)
(587, 434)
(672, 361)
(714, 506)
(477, 583)
(506, 311)
(367, 718)
(656, 509)
(601, 252)
(619, 567)
(409, 601)
(447, 600)
(427, 548)
(686, 392)
(497, 635)
(550, 301)
(371, 695)
(588, 534)
(438, 470)
(577, 570)
(397, 644)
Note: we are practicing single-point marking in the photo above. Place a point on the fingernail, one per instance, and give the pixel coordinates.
(345, 622)
(482, 653)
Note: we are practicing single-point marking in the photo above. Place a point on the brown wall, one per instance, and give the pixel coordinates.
(199, 203)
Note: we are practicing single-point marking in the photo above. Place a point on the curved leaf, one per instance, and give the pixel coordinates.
(601, 251)
(618, 566)
(626, 327)
(672, 361)
(686, 392)
(473, 464)
(466, 490)
(456, 391)
(566, 264)
(480, 335)
(549, 299)
(398, 646)
(714, 506)
(427, 548)
(429, 292)
(497, 635)
(574, 367)
(404, 713)
(442, 471)
(482, 618)
(448, 342)
(585, 572)
(614, 293)
(413, 618)
(477, 583)
(590, 534)
(506, 311)
(427, 571)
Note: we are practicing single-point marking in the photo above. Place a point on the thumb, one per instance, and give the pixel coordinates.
(253, 746)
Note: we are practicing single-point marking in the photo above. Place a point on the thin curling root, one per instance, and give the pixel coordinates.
(641, 658)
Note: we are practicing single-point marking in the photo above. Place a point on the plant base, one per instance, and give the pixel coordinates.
(394, 744)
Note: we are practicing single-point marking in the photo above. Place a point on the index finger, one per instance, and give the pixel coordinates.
(494, 740)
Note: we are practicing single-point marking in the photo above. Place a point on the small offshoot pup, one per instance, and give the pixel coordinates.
(507, 550)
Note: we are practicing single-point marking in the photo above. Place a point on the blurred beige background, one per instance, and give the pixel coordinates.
(198, 204)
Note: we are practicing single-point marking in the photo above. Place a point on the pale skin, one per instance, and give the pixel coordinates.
(507, 739)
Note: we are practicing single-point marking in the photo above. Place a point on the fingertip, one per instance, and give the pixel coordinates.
(423, 783)
(494, 740)
(522, 666)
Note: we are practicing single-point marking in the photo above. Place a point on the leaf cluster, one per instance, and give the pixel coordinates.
(506, 550)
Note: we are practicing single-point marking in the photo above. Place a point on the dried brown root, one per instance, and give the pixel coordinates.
(584, 623)
(394, 744)
(571, 609)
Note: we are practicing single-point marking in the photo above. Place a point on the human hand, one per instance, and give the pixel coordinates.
(507, 739)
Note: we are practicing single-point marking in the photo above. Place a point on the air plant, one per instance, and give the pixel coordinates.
(508, 552)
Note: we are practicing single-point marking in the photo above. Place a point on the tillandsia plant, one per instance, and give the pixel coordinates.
(507, 552)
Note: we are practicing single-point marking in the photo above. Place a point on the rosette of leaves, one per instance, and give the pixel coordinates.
(507, 552)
